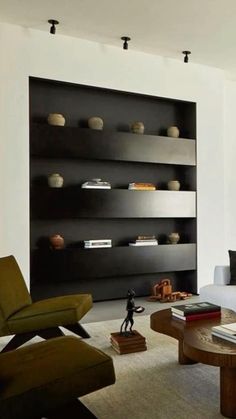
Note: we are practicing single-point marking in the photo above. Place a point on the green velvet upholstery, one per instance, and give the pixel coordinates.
(19, 316)
(48, 374)
(57, 311)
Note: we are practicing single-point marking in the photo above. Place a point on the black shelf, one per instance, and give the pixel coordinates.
(74, 264)
(112, 203)
(120, 157)
(72, 142)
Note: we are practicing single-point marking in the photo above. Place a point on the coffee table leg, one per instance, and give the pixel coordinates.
(183, 359)
(228, 392)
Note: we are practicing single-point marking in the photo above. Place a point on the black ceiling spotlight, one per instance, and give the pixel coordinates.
(125, 39)
(186, 54)
(53, 22)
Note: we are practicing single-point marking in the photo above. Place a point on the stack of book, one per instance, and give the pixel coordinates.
(225, 331)
(196, 311)
(128, 344)
(96, 184)
(144, 241)
(91, 244)
(142, 186)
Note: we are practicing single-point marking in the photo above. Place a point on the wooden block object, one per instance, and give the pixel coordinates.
(128, 344)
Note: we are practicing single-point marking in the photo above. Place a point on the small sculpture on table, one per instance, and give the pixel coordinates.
(131, 309)
(128, 341)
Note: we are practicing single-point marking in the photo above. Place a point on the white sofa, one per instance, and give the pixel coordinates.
(220, 292)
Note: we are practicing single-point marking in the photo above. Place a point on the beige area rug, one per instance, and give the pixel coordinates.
(151, 384)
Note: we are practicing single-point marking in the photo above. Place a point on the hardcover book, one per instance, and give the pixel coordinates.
(198, 316)
(194, 308)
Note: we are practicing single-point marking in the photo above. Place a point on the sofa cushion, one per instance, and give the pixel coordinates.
(57, 311)
(232, 263)
(50, 373)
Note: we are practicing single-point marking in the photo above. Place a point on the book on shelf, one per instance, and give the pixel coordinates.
(96, 184)
(144, 243)
(91, 244)
(96, 246)
(142, 186)
(194, 308)
(198, 316)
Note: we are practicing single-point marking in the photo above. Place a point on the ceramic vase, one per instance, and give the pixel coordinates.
(137, 128)
(173, 132)
(55, 180)
(56, 119)
(57, 241)
(173, 185)
(174, 238)
(95, 122)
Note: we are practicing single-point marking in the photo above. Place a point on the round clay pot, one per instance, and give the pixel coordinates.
(55, 180)
(56, 119)
(57, 241)
(95, 122)
(173, 132)
(173, 185)
(137, 128)
(174, 238)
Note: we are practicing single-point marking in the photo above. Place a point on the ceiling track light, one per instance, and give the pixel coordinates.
(126, 39)
(186, 54)
(53, 22)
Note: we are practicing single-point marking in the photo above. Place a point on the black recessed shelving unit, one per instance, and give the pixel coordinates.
(116, 155)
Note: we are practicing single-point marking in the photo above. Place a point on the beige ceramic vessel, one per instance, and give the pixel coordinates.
(173, 185)
(173, 132)
(95, 122)
(55, 180)
(137, 128)
(56, 119)
(174, 238)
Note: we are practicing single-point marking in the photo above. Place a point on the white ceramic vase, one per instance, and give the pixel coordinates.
(174, 238)
(173, 132)
(56, 119)
(137, 128)
(95, 122)
(173, 185)
(55, 180)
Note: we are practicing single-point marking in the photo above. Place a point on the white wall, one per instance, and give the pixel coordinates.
(27, 53)
(230, 164)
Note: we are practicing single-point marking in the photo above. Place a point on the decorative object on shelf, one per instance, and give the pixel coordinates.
(173, 185)
(55, 180)
(126, 39)
(138, 186)
(56, 119)
(93, 244)
(186, 54)
(145, 241)
(95, 122)
(53, 22)
(57, 241)
(96, 184)
(174, 238)
(137, 127)
(173, 132)
(162, 292)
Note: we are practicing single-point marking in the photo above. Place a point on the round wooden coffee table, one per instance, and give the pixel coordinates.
(196, 344)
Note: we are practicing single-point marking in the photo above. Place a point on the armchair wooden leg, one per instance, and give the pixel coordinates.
(52, 332)
(78, 330)
(18, 340)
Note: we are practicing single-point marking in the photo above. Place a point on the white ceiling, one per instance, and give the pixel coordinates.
(163, 27)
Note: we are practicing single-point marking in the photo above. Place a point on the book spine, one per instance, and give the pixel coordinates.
(192, 317)
(228, 338)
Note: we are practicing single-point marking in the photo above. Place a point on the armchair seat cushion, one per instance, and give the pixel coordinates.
(51, 373)
(52, 312)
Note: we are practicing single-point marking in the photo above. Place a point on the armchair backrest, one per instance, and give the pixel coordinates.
(14, 294)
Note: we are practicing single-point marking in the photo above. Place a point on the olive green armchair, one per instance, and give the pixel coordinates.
(45, 379)
(20, 317)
